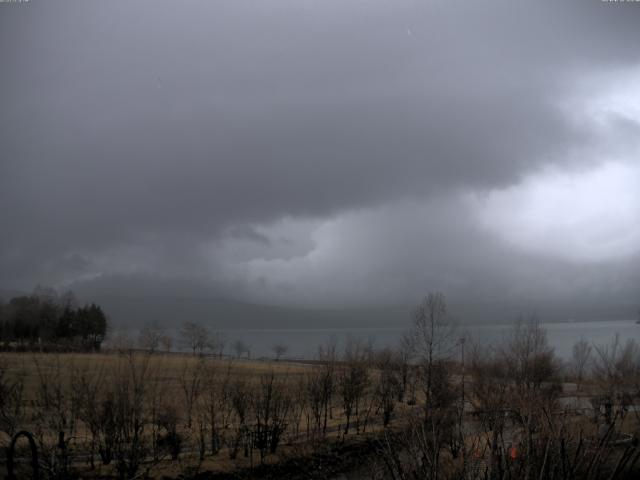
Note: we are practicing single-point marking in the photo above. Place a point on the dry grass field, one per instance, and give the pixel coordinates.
(161, 368)
(194, 413)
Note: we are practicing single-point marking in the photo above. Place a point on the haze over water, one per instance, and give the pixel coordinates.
(304, 343)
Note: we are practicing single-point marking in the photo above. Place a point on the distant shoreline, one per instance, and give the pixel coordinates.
(408, 326)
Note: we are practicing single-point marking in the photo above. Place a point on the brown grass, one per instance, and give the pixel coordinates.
(164, 372)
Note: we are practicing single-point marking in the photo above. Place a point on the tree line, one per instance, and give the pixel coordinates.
(46, 321)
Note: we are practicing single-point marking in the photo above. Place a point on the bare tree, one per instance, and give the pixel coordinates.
(158, 404)
(328, 358)
(616, 369)
(170, 441)
(215, 402)
(88, 391)
(315, 395)
(55, 414)
(520, 428)
(388, 385)
(490, 395)
(151, 336)
(580, 358)
(271, 405)
(217, 343)
(12, 404)
(166, 342)
(405, 353)
(299, 404)
(353, 379)
(195, 337)
(241, 349)
(279, 350)
(121, 342)
(434, 337)
(530, 358)
(533, 372)
(123, 417)
(191, 381)
(241, 398)
(113, 410)
(516, 382)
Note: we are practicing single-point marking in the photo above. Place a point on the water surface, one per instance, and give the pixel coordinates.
(303, 343)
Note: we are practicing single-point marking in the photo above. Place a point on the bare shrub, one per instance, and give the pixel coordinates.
(279, 351)
(616, 370)
(240, 348)
(241, 398)
(581, 357)
(388, 384)
(88, 390)
(54, 414)
(195, 337)
(299, 404)
(124, 420)
(191, 380)
(353, 380)
(271, 404)
(530, 439)
(320, 386)
(217, 343)
(151, 336)
(215, 403)
(12, 411)
(169, 441)
(406, 374)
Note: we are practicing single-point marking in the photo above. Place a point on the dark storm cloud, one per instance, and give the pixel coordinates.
(136, 134)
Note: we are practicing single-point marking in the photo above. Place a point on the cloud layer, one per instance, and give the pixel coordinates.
(323, 153)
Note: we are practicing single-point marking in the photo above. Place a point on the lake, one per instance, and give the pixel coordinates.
(303, 343)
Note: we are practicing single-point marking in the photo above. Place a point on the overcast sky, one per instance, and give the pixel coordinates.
(323, 153)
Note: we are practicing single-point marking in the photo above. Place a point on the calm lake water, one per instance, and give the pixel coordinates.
(303, 343)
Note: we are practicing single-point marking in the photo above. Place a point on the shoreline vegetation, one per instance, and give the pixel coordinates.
(46, 321)
(438, 405)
